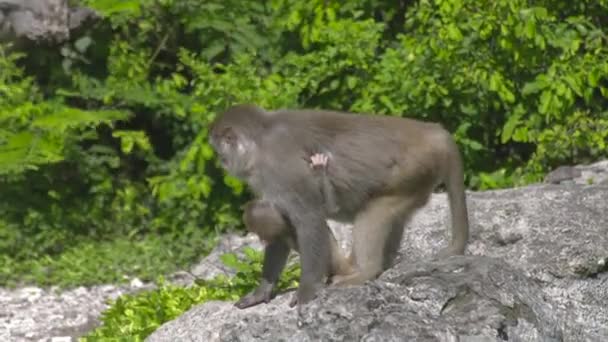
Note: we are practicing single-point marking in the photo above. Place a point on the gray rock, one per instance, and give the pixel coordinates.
(463, 297)
(536, 271)
(596, 173)
(212, 265)
(36, 314)
(37, 20)
(562, 174)
(555, 234)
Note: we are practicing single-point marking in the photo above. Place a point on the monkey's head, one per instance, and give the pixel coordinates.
(234, 135)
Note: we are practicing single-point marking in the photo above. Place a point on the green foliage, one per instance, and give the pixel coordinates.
(104, 138)
(249, 271)
(137, 316)
(133, 317)
(504, 75)
(47, 155)
(114, 261)
(35, 132)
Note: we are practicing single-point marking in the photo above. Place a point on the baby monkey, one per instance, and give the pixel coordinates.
(319, 163)
(265, 220)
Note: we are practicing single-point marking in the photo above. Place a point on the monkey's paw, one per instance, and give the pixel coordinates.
(318, 161)
(303, 295)
(254, 298)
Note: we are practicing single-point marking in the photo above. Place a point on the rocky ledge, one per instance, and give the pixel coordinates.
(536, 269)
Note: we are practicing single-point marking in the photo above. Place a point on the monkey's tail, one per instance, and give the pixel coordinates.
(454, 182)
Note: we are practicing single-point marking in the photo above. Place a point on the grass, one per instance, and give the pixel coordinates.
(115, 261)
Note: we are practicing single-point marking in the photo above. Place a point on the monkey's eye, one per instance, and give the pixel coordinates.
(229, 136)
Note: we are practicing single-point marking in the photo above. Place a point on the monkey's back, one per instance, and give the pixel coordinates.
(369, 153)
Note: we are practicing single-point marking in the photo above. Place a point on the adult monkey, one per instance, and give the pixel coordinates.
(383, 169)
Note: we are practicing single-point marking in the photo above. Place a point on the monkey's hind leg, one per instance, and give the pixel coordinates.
(340, 264)
(376, 238)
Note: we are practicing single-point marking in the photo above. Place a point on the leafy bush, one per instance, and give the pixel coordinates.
(43, 146)
(113, 261)
(137, 316)
(506, 77)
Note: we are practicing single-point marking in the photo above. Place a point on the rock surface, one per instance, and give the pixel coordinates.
(49, 20)
(35, 314)
(536, 270)
(212, 266)
(579, 174)
(474, 297)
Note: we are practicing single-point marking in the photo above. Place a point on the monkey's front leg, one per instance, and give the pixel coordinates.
(275, 257)
(313, 237)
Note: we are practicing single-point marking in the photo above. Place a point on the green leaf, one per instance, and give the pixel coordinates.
(129, 139)
(535, 86)
(507, 95)
(110, 7)
(512, 122)
(593, 77)
(530, 28)
(521, 134)
(545, 102)
(231, 260)
(64, 118)
(495, 81)
(574, 84)
(83, 43)
(234, 183)
(468, 109)
(454, 33)
(351, 82)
